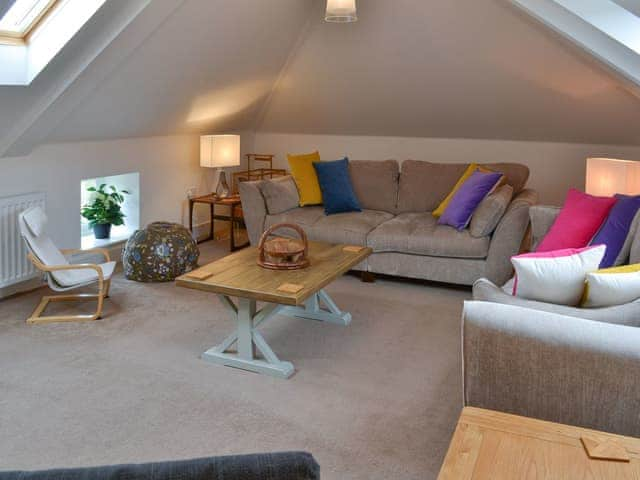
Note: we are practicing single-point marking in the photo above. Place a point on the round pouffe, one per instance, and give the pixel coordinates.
(159, 253)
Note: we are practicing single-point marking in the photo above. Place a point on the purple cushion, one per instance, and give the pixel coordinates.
(465, 201)
(615, 228)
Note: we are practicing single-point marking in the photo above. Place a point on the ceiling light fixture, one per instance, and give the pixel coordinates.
(341, 11)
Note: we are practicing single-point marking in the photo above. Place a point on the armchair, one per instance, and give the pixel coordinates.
(61, 275)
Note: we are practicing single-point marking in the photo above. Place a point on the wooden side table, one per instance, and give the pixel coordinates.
(235, 217)
(498, 446)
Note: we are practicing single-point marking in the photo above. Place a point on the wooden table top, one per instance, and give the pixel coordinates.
(239, 275)
(499, 446)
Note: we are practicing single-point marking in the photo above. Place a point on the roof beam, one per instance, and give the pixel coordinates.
(604, 29)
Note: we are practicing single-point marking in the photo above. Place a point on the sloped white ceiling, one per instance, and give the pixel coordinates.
(454, 68)
(457, 68)
(180, 66)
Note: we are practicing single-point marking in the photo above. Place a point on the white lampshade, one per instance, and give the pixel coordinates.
(608, 176)
(341, 11)
(219, 151)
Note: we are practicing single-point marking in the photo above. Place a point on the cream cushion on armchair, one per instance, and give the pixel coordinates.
(33, 229)
(542, 217)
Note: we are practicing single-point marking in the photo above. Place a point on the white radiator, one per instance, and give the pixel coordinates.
(14, 265)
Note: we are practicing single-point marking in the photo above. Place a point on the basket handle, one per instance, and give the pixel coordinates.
(277, 226)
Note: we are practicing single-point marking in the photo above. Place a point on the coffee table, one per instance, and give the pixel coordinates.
(489, 445)
(297, 293)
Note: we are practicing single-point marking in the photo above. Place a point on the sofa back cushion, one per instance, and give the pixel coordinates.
(488, 214)
(423, 185)
(375, 183)
(516, 174)
(280, 194)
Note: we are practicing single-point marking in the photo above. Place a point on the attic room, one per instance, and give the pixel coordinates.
(304, 239)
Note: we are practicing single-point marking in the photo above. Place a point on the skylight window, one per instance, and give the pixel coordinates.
(21, 17)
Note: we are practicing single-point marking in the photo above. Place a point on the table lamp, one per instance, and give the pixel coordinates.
(219, 151)
(608, 176)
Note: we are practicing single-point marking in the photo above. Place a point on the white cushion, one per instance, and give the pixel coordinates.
(557, 276)
(70, 278)
(612, 286)
(36, 220)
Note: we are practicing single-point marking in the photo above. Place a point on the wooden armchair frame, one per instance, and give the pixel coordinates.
(103, 288)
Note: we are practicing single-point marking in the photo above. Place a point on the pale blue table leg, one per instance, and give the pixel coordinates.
(247, 337)
(313, 310)
(319, 306)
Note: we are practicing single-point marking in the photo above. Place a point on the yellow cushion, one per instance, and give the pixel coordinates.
(304, 174)
(443, 205)
(612, 286)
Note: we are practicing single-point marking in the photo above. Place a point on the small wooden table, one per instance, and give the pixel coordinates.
(234, 218)
(297, 293)
(498, 446)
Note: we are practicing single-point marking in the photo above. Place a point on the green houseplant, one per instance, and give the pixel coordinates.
(104, 209)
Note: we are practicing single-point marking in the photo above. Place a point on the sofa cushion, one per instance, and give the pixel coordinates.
(614, 232)
(305, 176)
(280, 194)
(468, 197)
(335, 183)
(578, 221)
(303, 216)
(471, 169)
(419, 233)
(423, 185)
(488, 214)
(351, 228)
(516, 174)
(375, 183)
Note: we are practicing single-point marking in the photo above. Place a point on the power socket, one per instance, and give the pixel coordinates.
(191, 192)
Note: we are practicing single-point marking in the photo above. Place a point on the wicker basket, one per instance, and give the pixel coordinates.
(280, 253)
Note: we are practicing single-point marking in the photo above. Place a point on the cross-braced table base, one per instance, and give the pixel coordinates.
(249, 340)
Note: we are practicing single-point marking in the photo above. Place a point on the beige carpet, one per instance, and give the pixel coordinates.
(375, 400)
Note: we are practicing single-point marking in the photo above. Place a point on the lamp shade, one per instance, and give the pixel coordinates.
(219, 151)
(608, 176)
(341, 11)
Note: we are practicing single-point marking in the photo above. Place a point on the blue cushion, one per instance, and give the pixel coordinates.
(335, 183)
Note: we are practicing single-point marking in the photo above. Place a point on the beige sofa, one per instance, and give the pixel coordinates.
(396, 220)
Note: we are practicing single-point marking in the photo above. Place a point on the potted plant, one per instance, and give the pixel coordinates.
(104, 209)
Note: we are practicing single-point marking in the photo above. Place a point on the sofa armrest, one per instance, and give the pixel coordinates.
(283, 466)
(508, 237)
(553, 367)
(254, 209)
(542, 217)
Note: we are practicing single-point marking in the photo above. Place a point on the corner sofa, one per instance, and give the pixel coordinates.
(396, 220)
(578, 366)
(553, 367)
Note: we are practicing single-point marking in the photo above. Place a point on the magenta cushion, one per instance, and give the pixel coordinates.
(578, 221)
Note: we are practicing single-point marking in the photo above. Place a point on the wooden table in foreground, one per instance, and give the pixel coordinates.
(297, 293)
(499, 446)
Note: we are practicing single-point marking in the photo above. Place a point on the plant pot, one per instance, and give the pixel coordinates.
(102, 230)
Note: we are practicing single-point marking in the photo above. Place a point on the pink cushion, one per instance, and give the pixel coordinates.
(578, 221)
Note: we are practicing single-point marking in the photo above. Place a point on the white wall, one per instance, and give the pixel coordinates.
(168, 167)
(554, 166)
